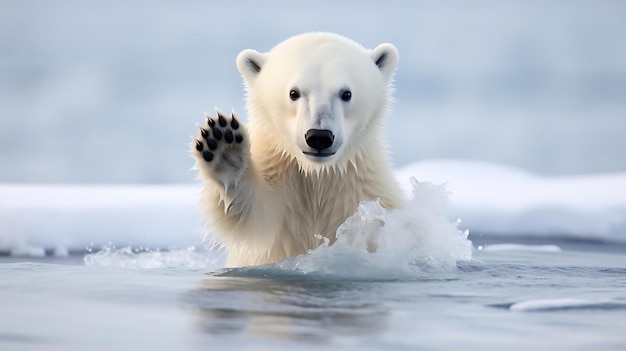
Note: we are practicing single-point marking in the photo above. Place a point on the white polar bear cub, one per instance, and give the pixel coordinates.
(313, 148)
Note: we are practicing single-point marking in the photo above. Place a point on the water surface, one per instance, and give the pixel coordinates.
(509, 297)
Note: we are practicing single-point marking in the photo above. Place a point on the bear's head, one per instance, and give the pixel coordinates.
(314, 95)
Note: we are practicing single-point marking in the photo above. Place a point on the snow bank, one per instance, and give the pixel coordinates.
(488, 198)
(502, 201)
(60, 218)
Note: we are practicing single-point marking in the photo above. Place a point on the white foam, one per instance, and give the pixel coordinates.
(190, 258)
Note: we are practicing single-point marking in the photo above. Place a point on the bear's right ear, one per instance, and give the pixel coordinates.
(250, 62)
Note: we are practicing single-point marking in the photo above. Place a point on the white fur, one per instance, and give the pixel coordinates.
(271, 204)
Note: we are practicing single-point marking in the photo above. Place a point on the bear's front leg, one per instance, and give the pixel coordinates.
(234, 199)
(222, 150)
(222, 153)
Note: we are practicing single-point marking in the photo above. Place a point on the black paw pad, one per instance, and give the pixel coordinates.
(199, 145)
(217, 134)
(207, 156)
(228, 136)
(238, 138)
(211, 143)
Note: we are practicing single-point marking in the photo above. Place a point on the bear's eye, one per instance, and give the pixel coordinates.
(294, 94)
(346, 95)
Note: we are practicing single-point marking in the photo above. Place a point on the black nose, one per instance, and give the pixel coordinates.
(319, 139)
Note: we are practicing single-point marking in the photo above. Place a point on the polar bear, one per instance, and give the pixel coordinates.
(313, 148)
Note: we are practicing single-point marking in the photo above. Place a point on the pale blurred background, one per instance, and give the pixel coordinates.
(110, 92)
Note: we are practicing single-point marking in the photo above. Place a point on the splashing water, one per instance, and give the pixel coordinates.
(374, 243)
(190, 258)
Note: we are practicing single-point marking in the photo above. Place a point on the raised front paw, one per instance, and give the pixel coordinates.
(221, 150)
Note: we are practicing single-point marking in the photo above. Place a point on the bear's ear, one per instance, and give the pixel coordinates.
(385, 56)
(250, 62)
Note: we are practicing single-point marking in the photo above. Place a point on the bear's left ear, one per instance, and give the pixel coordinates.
(250, 62)
(385, 56)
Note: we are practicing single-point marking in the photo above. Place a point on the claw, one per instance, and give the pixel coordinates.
(210, 121)
(204, 132)
(221, 119)
(233, 122)
(199, 145)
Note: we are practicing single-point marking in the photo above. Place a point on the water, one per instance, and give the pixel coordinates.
(61, 304)
(401, 279)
